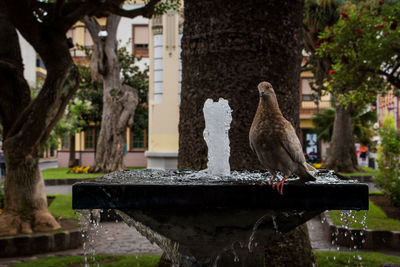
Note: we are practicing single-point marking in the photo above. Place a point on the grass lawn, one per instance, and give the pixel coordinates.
(367, 259)
(117, 261)
(136, 168)
(323, 258)
(62, 207)
(376, 219)
(62, 173)
(367, 172)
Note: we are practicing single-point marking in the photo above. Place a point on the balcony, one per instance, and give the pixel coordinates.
(308, 108)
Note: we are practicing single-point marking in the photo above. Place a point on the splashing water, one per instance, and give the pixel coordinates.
(353, 238)
(218, 118)
(89, 223)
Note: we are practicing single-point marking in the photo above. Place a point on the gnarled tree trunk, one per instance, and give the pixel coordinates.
(228, 47)
(119, 101)
(27, 123)
(341, 155)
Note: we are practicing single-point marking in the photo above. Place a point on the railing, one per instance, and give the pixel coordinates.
(308, 108)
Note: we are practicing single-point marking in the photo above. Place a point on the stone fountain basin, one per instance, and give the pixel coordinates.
(155, 189)
(195, 217)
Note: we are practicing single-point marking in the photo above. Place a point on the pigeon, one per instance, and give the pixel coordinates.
(275, 142)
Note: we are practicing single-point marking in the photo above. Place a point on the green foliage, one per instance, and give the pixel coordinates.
(91, 92)
(318, 14)
(376, 219)
(388, 177)
(102, 260)
(363, 47)
(163, 6)
(366, 259)
(62, 207)
(323, 122)
(362, 121)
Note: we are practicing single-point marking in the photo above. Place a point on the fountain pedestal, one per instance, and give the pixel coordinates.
(195, 218)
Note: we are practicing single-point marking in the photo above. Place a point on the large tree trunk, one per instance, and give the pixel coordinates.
(27, 123)
(228, 47)
(341, 155)
(119, 101)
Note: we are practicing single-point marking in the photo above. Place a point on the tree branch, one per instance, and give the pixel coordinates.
(112, 26)
(93, 27)
(14, 90)
(146, 11)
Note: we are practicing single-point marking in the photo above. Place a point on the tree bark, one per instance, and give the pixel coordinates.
(227, 56)
(72, 158)
(228, 47)
(341, 155)
(119, 101)
(27, 123)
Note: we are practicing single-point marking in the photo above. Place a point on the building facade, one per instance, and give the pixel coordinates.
(164, 89)
(389, 103)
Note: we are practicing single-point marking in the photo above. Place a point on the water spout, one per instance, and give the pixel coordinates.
(218, 118)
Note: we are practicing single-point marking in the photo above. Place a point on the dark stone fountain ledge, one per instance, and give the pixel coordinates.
(374, 239)
(26, 245)
(152, 189)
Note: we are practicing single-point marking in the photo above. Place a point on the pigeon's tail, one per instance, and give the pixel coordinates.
(305, 176)
(309, 167)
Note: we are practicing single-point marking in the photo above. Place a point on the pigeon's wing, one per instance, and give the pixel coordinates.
(290, 142)
(251, 144)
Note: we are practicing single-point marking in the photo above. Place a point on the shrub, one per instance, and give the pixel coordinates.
(388, 176)
(80, 169)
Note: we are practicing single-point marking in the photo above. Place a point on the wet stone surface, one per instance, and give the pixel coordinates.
(189, 177)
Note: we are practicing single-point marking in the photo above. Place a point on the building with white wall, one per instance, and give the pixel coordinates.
(164, 90)
(29, 58)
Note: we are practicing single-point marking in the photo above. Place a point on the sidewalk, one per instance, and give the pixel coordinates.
(112, 239)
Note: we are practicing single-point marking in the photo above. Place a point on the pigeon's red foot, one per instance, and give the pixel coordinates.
(271, 182)
(279, 186)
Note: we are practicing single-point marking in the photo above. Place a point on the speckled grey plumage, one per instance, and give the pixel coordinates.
(274, 139)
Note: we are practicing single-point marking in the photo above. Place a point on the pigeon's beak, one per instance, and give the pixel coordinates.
(261, 93)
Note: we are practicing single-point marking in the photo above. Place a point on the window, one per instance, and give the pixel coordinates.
(91, 135)
(140, 40)
(138, 142)
(65, 143)
(307, 97)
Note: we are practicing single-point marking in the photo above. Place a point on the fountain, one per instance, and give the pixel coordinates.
(201, 218)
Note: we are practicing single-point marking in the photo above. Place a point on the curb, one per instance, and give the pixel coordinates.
(26, 245)
(66, 181)
(358, 238)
